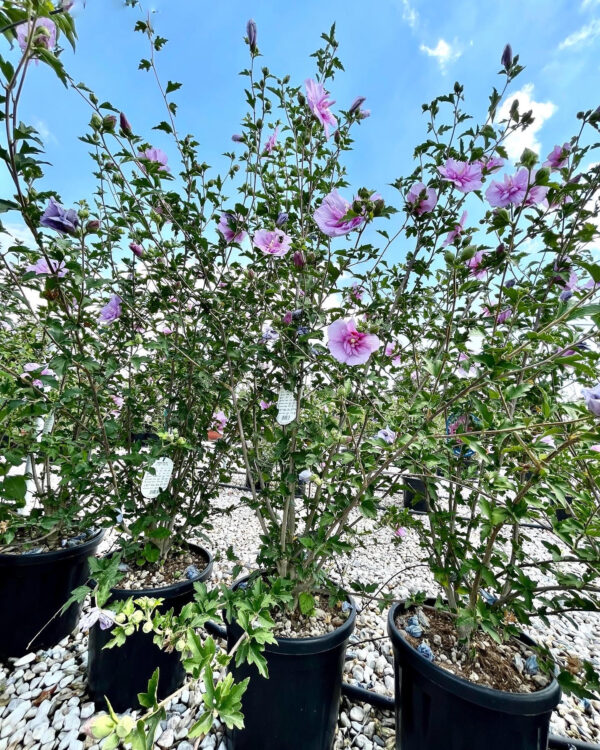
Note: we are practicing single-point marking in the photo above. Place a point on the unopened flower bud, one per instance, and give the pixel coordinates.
(237, 138)
(500, 250)
(282, 218)
(301, 99)
(337, 136)
(298, 259)
(96, 121)
(259, 124)
(356, 104)
(109, 122)
(124, 124)
(379, 205)
(595, 116)
(136, 249)
(92, 226)
(251, 33)
(507, 57)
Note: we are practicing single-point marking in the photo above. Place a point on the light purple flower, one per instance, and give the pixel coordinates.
(387, 435)
(569, 287)
(421, 198)
(220, 420)
(124, 123)
(461, 372)
(319, 104)
(547, 440)
(464, 175)
(136, 249)
(166, 330)
(504, 315)
(37, 383)
(31, 367)
(270, 144)
(391, 351)
(456, 232)
(491, 164)
(558, 157)
(112, 310)
(357, 292)
(269, 334)
(155, 155)
(48, 371)
(400, 532)
(364, 113)
(511, 191)
(595, 448)
(592, 399)
(357, 104)
(282, 218)
(348, 345)
(265, 404)
(43, 35)
(228, 226)
(536, 193)
(58, 218)
(474, 265)
(272, 242)
(104, 617)
(42, 266)
(252, 34)
(329, 217)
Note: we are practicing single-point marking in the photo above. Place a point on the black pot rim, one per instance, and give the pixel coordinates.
(314, 644)
(542, 700)
(173, 589)
(26, 559)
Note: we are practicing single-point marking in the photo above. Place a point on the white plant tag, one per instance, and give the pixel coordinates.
(152, 484)
(286, 405)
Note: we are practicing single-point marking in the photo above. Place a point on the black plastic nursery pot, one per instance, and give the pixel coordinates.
(33, 589)
(435, 709)
(415, 495)
(297, 707)
(121, 672)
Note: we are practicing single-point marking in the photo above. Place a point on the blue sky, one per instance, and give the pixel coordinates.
(397, 53)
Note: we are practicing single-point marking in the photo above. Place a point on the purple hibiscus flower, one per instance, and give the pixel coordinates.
(270, 144)
(58, 218)
(42, 35)
(348, 345)
(558, 157)
(454, 233)
(272, 242)
(387, 435)
(474, 265)
(330, 216)
(491, 164)
(220, 421)
(319, 104)
(43, 266)
(421, 198)
(104, 617)
(155, 155)
(464, 175)
(111, 311)
(591, 397)
(511, 191)
(228, 226)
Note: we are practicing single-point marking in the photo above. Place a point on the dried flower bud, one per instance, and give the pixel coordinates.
(507, 57)
(251, 33)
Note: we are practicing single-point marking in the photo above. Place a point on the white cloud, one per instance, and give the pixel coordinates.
(409, 14)
(444, 52)
(45, 134)
(19, 232)
(586, 4)
(584, 35)
(522, 139)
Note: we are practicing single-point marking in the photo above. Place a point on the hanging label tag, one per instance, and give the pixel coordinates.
(152, 484)
(286, 405)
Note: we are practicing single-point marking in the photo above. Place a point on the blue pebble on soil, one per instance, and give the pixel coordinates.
(192, 572)
(415, 630)
(531, 665)
(425, 651)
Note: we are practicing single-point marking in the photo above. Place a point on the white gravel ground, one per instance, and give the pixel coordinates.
(56, 722)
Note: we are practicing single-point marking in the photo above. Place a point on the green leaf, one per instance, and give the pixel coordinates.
(6, 205)
(513, 392)
(173, 86)
(306, 602)
(202, 726)
(14, 487)
(148, 699)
